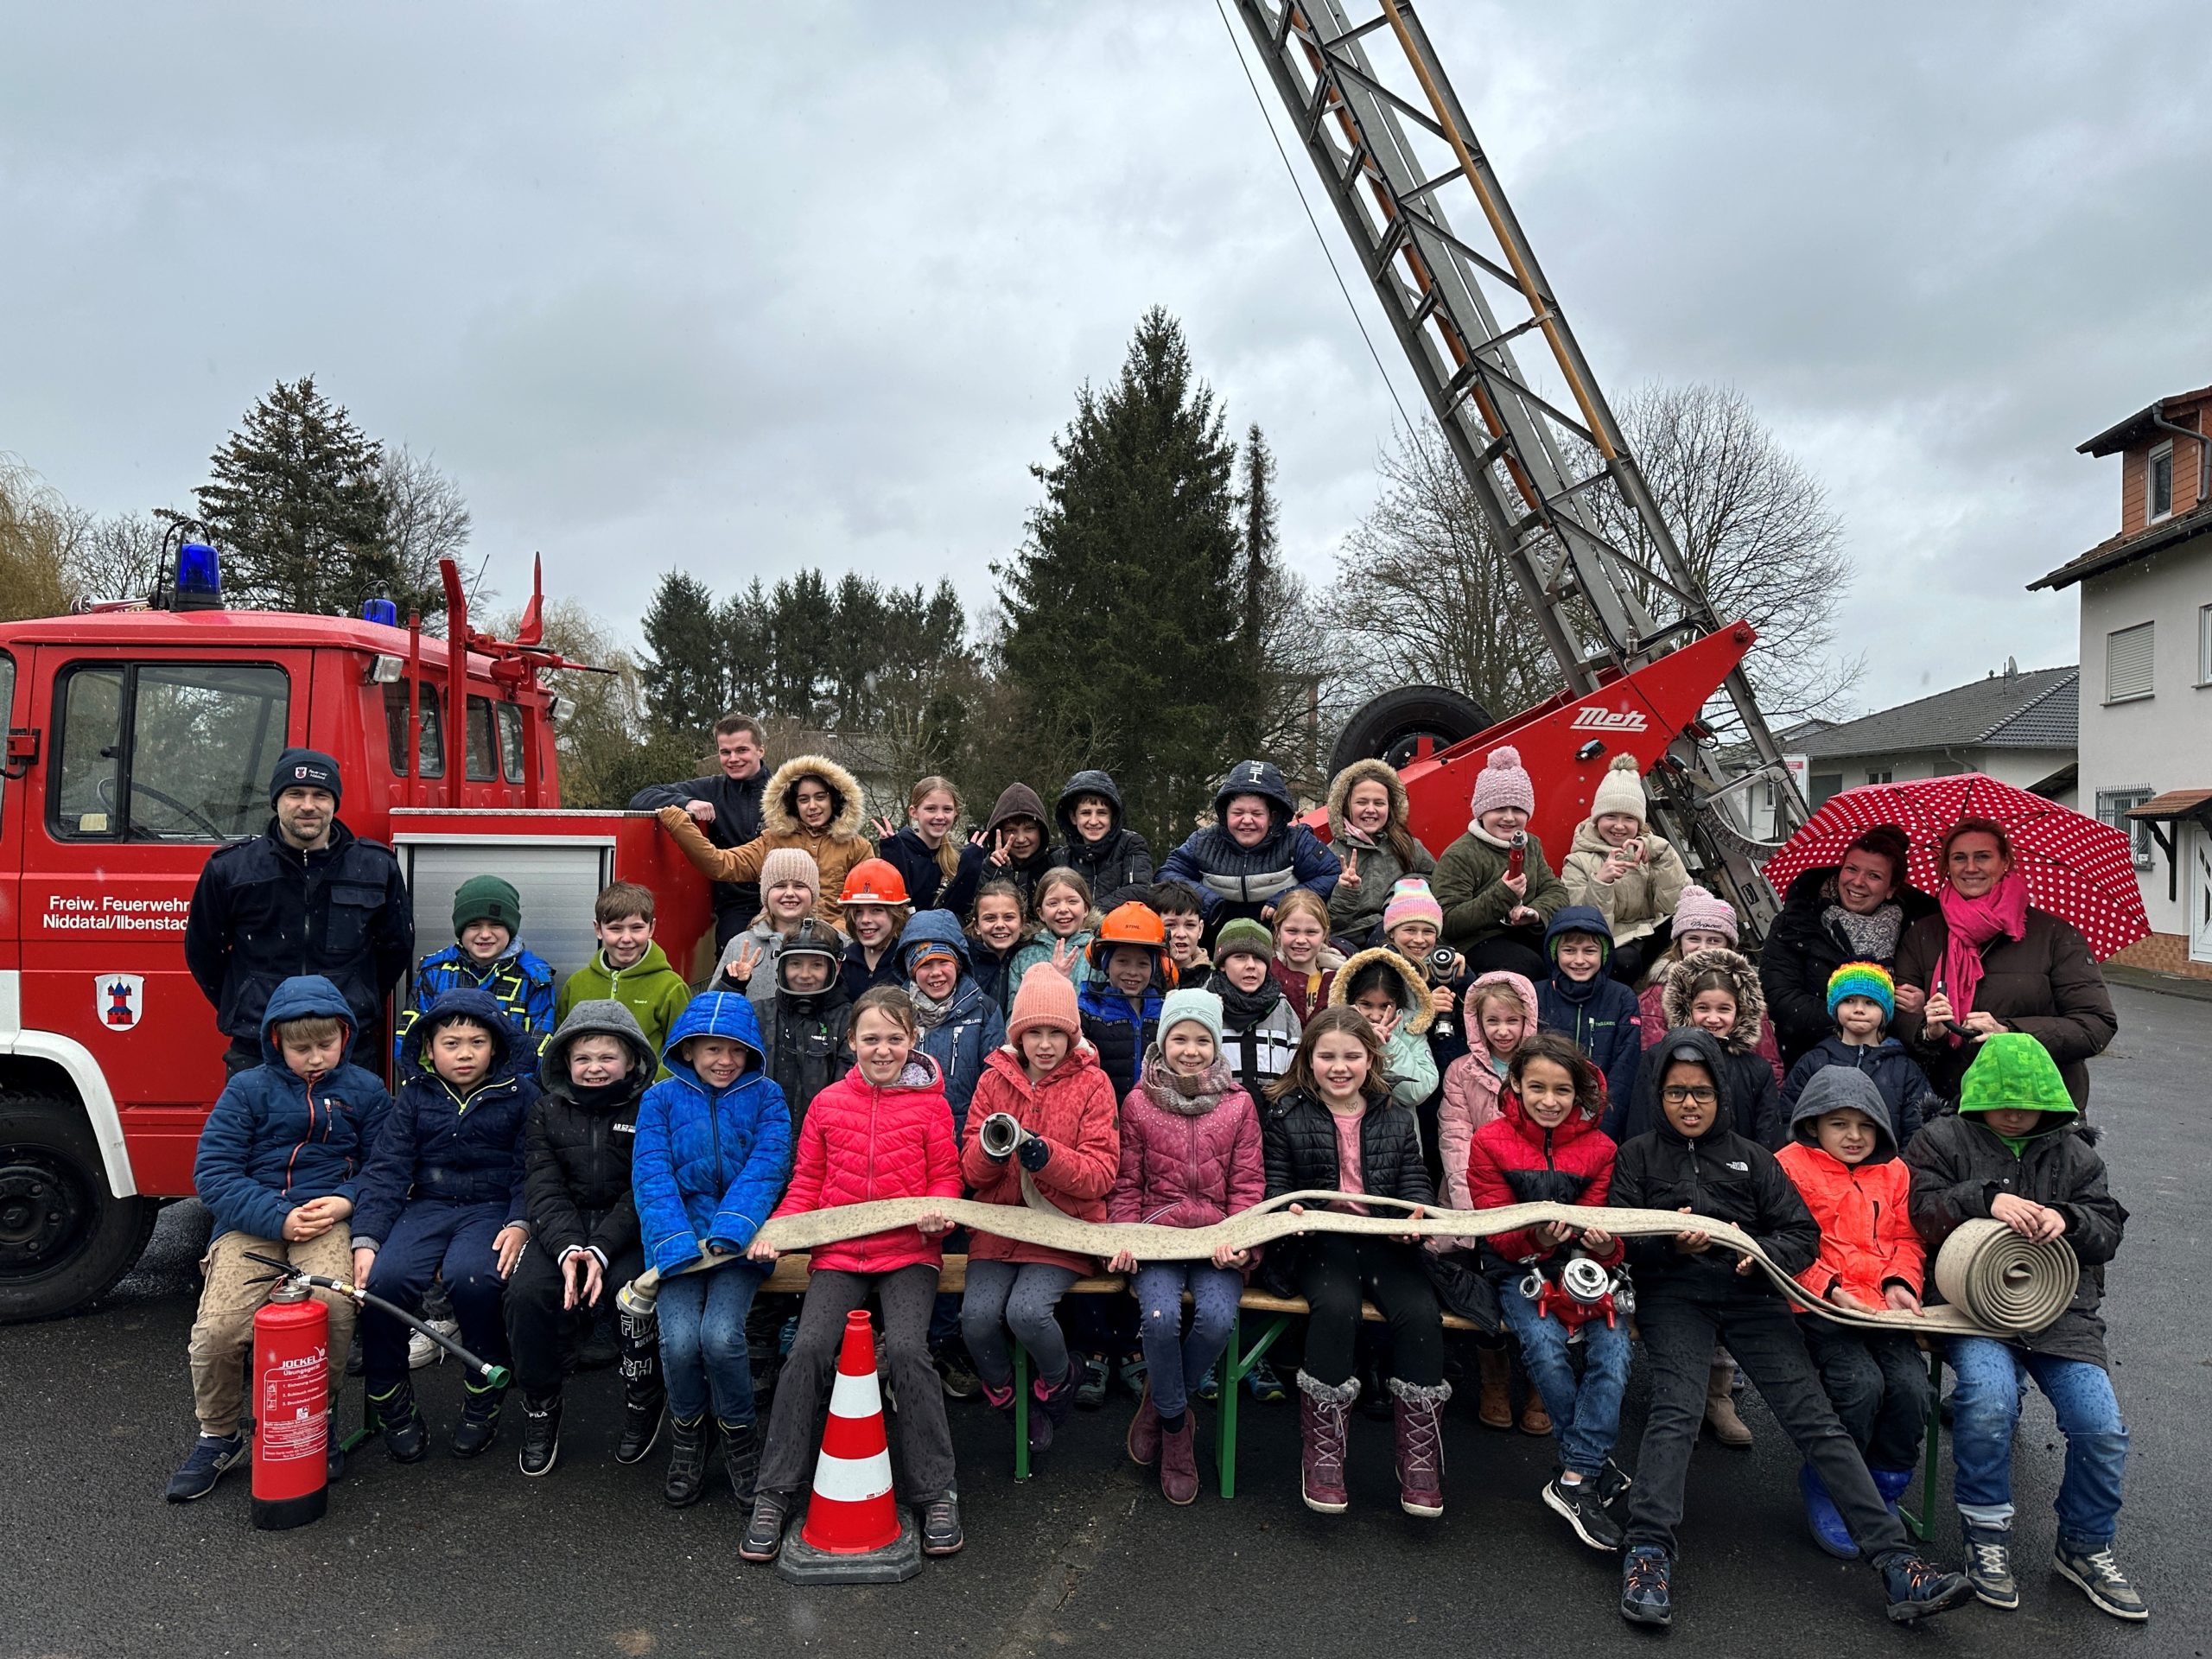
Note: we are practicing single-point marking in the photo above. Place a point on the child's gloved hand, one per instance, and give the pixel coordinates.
(1034, 1153)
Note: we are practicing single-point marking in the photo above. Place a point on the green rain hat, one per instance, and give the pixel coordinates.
(2014, 1072)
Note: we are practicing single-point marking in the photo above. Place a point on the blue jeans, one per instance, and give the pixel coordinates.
(1986, 1404)
(435, 1236)
(1173, 1357)
(703, 1354)
(1585, 1416)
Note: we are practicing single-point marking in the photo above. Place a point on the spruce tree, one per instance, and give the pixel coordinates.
(686, 683)
(1124, 610)
(297, 507)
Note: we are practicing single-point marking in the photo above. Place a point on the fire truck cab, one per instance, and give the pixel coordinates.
(140, 740)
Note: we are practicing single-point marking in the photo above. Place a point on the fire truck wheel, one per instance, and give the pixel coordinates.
(64, 1240)
(1388, 727)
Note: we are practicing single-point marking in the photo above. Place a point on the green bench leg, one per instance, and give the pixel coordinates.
(1237, 1365)
(1921, 1524)
(1020, 1412)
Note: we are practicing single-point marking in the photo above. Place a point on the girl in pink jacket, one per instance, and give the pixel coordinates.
(1498, 1015)
(1190, 1157)
(884, 1130)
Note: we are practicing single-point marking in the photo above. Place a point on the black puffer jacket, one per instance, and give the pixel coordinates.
(1804, 949)
(576, 1151)
(803, 1035)
(1723, 1175)
(1959, 1166)
(1298, 1140)
(1118, 865)
(265, 911)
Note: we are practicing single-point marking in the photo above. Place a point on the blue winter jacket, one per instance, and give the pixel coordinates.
(973, 1024)
(521, 982)
(709, 1165)
(1905, 1087)
(274, 1139)
(1600, 1013)
(1120, 1029)
(439, 1144)
(1232, 880)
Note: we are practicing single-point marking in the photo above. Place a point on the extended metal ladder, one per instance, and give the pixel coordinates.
(1546, 480)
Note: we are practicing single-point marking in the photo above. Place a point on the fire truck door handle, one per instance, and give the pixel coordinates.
(22, 751)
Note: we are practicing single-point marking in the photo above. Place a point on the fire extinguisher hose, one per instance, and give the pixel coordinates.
(491, 1375)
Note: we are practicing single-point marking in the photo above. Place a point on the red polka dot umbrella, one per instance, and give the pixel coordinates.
(2075, 867)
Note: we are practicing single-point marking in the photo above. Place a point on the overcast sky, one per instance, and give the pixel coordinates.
(743, 288)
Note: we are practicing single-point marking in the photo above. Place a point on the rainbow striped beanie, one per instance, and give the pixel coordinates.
(1867, 979)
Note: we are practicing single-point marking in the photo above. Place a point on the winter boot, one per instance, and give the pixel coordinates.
(1647, 1597)
(644, 1403)
(686, 1462)
(1917, 1589)
(541, 1433)
(1420, 1432)
(741, 1458)
(1892, 1484)
(1052, 1404)
(480, 1420)
(1324, 1431)
(1823, 1517)
(1535, 1420)
(400, 1421)
(1143, 1437)
(1178, 1461)
(1495, 1408)
(764, 1532)
(1989, 1564)
(1720, 1415)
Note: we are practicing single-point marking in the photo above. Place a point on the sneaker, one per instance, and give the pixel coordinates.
(1266, 1388)
(1613, 1482)
(600, 1348)
(955, 1371)
(212, 1457)
(400, 1420)
(1209, 1388)
(1582, 1509)
(2098, 1576)
(421, 1351)
(1917, 1588)
(479, 1422)
(1646, 1597)
(764, 1532)
(1132, 1371)
(1823, 1517)
(1094, 1376)
(941, 1534)
(1989, 1564)
(541, 1435)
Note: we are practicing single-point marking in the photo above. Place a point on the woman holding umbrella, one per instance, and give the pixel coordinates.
(1856, 909)
(1989, 961)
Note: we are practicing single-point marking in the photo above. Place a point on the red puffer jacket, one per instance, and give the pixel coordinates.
(859, 1143)
(1867, 1237)
(1071, 1109)
(1517, 1160)
(1187, 1169)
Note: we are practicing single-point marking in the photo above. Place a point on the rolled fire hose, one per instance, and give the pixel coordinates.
(1997, 1285)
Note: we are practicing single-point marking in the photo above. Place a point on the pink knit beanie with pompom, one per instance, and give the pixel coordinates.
(1502, 782)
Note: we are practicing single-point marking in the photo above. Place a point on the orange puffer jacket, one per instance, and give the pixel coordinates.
(1867, 1238)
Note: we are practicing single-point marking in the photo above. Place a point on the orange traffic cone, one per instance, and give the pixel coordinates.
(854, 1531)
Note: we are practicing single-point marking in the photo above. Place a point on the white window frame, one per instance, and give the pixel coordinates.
(2204, 645)
(1881, 775)
(2149, 688)
(2113, 807)
(2159, 452)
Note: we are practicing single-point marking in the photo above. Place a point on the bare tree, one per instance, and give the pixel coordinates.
(1422, 595)
(1757, 530)
(39, 533)
(427, 519)
(121, 556)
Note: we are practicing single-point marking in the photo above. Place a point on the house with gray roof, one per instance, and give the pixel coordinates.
(2016, 725)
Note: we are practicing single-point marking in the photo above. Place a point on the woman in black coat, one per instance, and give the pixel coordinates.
(1855, 910)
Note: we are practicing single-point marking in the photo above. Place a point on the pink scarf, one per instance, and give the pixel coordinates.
(1972, 924)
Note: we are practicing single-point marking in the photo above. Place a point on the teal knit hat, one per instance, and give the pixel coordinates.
(1867, 979)
(2013, 1073)
(487, 899)
(1203, 1008)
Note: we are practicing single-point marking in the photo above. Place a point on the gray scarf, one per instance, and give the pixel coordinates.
(1873, 938)
(929, 1010)
(1186, 1097)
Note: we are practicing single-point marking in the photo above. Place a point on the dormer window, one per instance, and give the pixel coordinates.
(2158, 488)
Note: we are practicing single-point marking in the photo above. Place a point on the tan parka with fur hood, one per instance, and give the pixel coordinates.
(835, 851)
(1355, 908)
(1407, 1056)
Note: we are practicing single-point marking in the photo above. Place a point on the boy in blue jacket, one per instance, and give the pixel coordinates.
(1862, 1001)
(486, 954)
(442, 1195)
(1583, 1000)
(713, 1153)
(279, 1164)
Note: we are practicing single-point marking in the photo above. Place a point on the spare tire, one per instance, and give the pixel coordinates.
(1388, 727)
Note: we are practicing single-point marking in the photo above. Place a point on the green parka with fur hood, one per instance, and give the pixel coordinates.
(1355, 908)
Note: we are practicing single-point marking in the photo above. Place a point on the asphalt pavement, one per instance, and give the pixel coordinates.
(449, 1558)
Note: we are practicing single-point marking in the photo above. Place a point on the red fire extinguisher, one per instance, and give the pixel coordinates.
(291, 1409)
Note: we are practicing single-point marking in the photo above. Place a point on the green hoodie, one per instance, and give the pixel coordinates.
(650, 989)
(2014, 1072)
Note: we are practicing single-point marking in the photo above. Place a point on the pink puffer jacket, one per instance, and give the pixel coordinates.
(1472, 1090)
(859, 1143)
(1187, 1170)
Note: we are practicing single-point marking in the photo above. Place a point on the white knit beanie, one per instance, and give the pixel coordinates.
(1621, 790)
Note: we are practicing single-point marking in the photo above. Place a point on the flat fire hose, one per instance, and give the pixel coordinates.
(1995, 1283)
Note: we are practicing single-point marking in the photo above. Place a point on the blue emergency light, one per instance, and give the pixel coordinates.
(198, 578)
(381, 610)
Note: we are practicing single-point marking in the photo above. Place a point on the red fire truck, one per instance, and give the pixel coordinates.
(139, 739)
